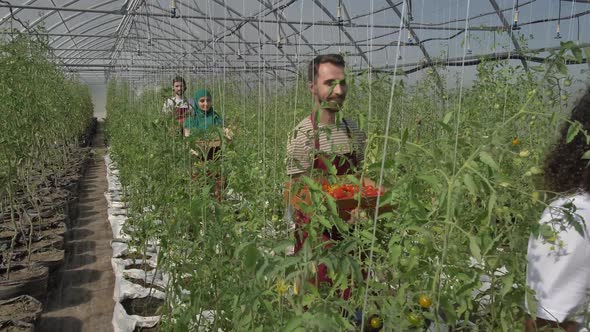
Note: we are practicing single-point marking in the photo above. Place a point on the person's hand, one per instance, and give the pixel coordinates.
(369, 182)
(228, 133)
(355, 215)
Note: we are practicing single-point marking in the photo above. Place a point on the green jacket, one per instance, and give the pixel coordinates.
(201, 121)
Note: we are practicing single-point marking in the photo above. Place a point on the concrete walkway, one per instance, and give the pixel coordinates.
(83, 299)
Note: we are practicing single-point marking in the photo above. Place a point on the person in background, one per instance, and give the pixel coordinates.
(178, 100)
(202, 121)
(320, 140)
(558, 264)
(203, 116)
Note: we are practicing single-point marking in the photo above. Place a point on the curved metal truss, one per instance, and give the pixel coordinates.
(139, 38)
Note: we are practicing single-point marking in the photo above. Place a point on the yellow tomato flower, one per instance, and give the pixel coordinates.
(282, 287)
(296, 287)
(515, 141)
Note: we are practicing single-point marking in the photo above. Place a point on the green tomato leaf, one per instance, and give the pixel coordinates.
(561, 67)
(430, 179)
(572, 131)
(470, 184)
(405, 135)
(294, 324)
(491, 205)
(331, 204)
(394, 254)
(474, 248)
(507, 285)
(448, 117)
(531, 304)
(325, 222)
(487, 159)
(577, 52)
(250, 256)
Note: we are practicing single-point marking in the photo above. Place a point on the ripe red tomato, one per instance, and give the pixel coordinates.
(339, 193)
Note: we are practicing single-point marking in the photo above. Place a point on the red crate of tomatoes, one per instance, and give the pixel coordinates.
(346, 195)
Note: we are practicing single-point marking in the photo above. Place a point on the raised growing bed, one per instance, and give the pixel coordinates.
(24, 280)
(22, 308)
(16, 326)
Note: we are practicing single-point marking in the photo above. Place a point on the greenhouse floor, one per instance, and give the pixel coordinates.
(83, 299)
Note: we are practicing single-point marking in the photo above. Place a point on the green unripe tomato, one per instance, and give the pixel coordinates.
(404, 261)
(375, 322)
(415, 318)
(414, 251)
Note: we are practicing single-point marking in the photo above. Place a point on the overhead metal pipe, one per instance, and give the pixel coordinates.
(508, 27)
(112, 36)
(439, 81)
(476, 59)
(239, 19)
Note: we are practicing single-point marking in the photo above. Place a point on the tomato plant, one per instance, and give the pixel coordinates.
(44, 114)
(464, 193)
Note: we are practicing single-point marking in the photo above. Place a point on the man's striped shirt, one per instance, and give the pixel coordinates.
(333, 138)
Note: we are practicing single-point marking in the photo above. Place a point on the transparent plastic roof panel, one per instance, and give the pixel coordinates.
(146, 37)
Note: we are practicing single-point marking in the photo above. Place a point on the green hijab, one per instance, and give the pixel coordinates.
(202, 120)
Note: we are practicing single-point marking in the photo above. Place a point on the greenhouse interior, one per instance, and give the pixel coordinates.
(294, 165)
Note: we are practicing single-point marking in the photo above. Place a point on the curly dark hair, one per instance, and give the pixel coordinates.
(565, 170)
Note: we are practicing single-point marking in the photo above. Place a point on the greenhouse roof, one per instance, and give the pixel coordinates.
(139, 38)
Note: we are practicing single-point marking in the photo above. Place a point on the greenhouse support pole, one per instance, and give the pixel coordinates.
(124, 27)
(332, 17)
(439, 82)
(508, 29)
(290, 25)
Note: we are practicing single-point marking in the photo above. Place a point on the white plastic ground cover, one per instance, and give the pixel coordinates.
(115, 211)
(119, 247)
(202, 322)
(114, 197)
(119, 264)
(486, 282)
(125, 289)
(117, 223)
(123, 322)
(117, 204)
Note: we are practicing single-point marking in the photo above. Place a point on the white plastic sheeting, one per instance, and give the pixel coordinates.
(123, 257)
(125, 289)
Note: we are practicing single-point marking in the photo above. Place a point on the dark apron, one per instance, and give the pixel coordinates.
(344, 164)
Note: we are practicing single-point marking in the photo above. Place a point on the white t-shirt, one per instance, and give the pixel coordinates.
(558, 268)
(174, 102)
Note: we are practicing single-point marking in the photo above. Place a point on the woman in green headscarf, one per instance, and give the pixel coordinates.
(203, 124)
(203, 117)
